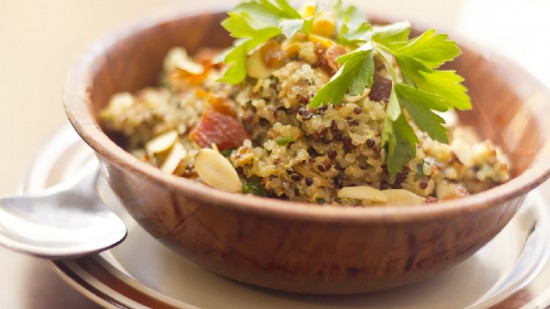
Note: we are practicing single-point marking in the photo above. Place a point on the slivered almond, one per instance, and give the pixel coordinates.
(445, 190)
(216, 171)
(179, 59)
(161, 143)
(402, 197)
(466, 134)
(256, 67)
(462, 151)
(174, 158)
(362, 193)
(450, 117)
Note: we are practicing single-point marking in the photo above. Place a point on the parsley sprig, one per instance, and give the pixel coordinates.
(254, 23)
(419, 91)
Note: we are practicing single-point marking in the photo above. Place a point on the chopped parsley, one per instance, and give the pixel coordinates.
(283, 140)
(254, 186)
(227, 152)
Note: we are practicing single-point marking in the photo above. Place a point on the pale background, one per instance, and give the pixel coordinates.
(40, 40)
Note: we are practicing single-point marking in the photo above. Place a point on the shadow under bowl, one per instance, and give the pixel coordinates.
(299, 247)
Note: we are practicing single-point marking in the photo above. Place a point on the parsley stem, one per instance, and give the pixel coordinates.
(379, 51)
(381, 47)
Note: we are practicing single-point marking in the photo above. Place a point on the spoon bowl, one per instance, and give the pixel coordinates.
(66, 220)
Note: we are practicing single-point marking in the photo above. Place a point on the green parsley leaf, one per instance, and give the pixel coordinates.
(393, 111)
(362, 34)
(266, 11)
(398, 137)
(392, 36)
(419, 105)
(430, 49)
(446, 84)
(351, 26)
(236, 57)
(356, 73)
(290, 27)
(405, 145)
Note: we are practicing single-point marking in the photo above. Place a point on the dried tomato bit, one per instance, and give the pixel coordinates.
(223, 130)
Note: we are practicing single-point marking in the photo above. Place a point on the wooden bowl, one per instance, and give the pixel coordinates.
(299, 247)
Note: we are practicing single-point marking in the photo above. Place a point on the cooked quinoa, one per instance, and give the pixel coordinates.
(283, 149)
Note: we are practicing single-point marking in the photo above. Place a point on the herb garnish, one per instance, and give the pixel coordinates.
(421, 89)
(254, 186)
(283, 140)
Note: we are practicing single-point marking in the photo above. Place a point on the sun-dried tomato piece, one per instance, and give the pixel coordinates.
(223, 130)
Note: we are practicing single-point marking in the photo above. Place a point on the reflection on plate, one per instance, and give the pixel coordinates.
(512, 271)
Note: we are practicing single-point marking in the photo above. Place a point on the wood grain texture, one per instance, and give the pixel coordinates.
(300, 247)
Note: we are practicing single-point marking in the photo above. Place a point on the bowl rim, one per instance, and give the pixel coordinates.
(78, 110)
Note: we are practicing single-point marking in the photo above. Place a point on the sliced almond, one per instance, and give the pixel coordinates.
(466, 134)
(174, 158)
(450, 117)
(161, 143)
(362, 193)
(462, 151)
(178, 58)
(215, 170)
(445, 190)
(256, 67)
(442, 189)
(402, 197)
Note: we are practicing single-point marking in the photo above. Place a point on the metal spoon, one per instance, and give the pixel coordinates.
(67, 220)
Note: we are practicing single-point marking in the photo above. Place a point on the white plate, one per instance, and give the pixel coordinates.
(511, 271)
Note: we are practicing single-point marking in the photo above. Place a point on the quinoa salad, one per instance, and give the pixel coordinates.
(260, 133)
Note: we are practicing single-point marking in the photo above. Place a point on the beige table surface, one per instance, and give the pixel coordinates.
(39, 41)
